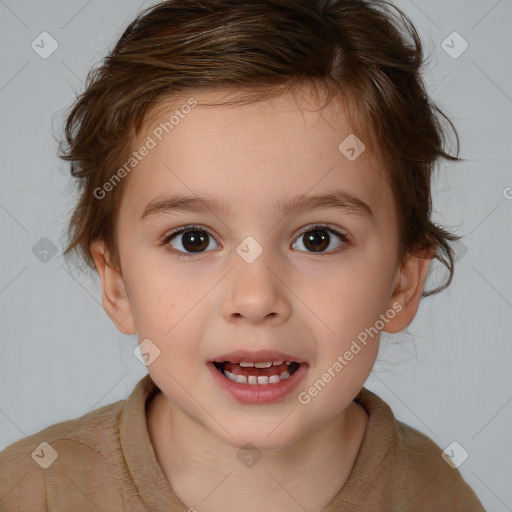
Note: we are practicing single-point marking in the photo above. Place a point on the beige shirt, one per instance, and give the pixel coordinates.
(105, 462)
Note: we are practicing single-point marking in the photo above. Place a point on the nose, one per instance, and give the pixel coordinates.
(256, 292)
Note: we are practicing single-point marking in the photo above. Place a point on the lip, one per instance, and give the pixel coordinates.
(257, 393)
(256, 357)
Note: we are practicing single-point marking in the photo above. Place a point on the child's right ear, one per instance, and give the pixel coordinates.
(114, 297)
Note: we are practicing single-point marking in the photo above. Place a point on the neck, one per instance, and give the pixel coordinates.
(206, 473)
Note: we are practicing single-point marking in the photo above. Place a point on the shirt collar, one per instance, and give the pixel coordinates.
(157, 493)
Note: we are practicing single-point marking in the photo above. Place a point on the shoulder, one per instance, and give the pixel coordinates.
(30, 466)
(414, 471)
(426, 464)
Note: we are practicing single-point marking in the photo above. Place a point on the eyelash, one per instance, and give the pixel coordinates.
(194, 227)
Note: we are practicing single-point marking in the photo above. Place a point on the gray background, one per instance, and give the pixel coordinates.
(448, 376)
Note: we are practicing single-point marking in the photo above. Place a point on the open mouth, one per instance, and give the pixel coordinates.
(262, 373)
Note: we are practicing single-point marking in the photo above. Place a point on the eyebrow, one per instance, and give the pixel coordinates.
(337, 199)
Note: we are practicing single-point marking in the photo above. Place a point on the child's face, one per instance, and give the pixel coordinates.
(290, 299)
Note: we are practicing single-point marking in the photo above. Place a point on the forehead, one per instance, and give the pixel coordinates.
(254, 154)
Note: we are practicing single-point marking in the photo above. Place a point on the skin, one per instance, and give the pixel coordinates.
(290, 299)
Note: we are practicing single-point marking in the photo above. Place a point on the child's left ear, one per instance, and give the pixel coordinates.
(408, 287)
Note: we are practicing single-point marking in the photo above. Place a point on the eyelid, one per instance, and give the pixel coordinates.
(311, 226)
(188, 227)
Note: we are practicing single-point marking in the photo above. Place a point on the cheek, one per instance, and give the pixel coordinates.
(332, 388)
(351, 296)
(154, 296)
(371, 274)
(167, 308)
(350, 305)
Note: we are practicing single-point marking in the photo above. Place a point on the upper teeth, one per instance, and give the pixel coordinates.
(262, 364)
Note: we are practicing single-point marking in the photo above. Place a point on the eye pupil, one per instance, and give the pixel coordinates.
(195, 240)
(319, 239)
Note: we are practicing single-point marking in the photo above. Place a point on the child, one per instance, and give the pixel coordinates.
(255, 197)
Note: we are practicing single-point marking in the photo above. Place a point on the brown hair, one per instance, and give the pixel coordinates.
(365, 53)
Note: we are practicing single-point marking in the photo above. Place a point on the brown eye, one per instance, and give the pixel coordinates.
(318, 239)
(195, 241)
(190, 240)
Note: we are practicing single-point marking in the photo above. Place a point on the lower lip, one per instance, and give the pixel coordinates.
(259, 393)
